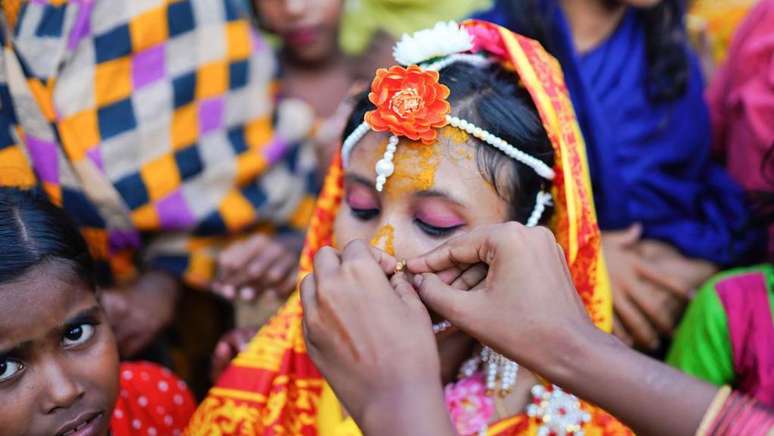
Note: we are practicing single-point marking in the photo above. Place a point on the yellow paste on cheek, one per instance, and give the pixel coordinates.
(384, 239)
(415, 166)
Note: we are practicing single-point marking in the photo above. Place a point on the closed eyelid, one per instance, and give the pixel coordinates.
(440, 212)
(360, 197)
(441, 220)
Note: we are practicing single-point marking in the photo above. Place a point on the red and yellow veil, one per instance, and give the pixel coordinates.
(273, 387)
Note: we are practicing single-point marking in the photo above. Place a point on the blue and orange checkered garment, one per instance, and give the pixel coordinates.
(151, 122)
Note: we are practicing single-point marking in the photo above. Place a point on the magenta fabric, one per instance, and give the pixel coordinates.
(745, 299)
(741, 100)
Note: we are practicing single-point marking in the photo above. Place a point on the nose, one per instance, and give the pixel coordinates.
(384, 239)
(61, 388)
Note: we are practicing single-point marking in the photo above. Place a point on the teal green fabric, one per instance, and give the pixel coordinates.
(702, 346)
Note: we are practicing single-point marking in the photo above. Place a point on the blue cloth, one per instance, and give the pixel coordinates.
(650, 162)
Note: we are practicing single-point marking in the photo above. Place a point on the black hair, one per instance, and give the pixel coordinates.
(492, 99)
(34, 231)
(666, 41)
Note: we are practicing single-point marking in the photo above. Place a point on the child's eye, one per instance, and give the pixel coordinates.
(78, 334)
(364, 214)
(9, 368)
(435, 232)
(362, 202)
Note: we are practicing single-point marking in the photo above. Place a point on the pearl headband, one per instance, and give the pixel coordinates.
(403, 112)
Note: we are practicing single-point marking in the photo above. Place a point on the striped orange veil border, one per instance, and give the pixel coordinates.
(273, 388)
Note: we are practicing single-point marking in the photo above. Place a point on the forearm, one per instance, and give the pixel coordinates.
(417, 410)
(647, 395)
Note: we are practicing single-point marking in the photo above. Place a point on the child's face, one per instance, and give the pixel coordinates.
(309, 28)
(58, 358)
(436, 192)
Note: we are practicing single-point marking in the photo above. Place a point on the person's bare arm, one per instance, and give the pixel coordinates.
(549, 332)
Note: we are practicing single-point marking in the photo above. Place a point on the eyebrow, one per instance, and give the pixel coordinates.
(357, 178)
(81, 317)
(430, 193)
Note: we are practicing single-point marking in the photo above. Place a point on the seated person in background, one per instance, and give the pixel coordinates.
(727, 333)
(150, 123)
(670, 216)
(313, 68)
(741, 101)
(59, 368)
(482, 132)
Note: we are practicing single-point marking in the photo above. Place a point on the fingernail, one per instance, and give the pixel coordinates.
(418, 279)
(247, 293)
(228, 291)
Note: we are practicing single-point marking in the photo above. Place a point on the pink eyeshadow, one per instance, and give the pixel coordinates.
(439, 216)
(359, 198)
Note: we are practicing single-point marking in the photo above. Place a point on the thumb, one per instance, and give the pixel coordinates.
(452, 304)
(632, 234)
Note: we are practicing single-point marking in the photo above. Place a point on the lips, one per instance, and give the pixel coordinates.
(86, 424)
(303, 35)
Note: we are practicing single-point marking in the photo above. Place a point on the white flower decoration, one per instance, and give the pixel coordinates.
(443, 39)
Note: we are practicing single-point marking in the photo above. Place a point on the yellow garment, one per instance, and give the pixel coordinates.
(363, 18)
(717, 19)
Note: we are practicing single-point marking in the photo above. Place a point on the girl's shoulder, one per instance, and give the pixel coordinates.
(151, 401)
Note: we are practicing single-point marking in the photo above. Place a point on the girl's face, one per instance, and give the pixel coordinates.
(436, 192)
(58, 358)
(309, 28)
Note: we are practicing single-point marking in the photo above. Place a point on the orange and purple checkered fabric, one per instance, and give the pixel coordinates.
(171, 102)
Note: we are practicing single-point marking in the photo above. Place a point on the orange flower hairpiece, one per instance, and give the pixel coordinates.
(409, 102)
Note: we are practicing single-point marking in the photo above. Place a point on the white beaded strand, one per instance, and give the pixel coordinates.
(543, 199)
(441, 326)
(352, 140)
(498, 368)
(385, 167)
(536, 164)
(469, 367)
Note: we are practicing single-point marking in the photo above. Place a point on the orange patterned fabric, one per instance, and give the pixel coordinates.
(273, 387)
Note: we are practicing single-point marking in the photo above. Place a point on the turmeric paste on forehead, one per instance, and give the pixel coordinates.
(415, 167)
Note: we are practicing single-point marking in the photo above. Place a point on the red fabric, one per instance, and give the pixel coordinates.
(152, 401)
(741, 101)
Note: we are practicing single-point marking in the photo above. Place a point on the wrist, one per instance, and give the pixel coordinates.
(405, 410)
(574, 352)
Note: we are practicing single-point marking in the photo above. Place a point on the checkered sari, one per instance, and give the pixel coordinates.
(151, 122)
